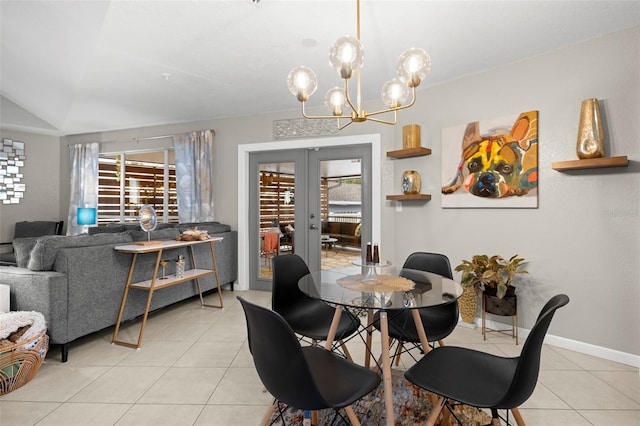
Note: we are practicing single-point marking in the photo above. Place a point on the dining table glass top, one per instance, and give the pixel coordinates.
(385, 287)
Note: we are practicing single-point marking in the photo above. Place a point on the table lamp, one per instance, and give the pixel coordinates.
(87, 216)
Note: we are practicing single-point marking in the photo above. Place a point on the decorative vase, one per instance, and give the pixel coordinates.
(411, 182)
(411, 136)
(468, 304)
(590, 134)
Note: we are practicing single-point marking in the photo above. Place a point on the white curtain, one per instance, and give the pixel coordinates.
(194, 176)
(84, 182)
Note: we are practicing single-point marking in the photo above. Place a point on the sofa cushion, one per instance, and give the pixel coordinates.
(163, 225)
(162, 234)
(45, 251)
(210, 227)
(115, 229)
(22, 250)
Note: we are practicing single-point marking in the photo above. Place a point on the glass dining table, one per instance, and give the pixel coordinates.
(383, 288)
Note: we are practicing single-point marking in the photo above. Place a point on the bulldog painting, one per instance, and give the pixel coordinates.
(495, 166)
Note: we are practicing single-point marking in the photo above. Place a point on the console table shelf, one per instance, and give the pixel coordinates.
(157, 283)
(171, 279)
(591, 163)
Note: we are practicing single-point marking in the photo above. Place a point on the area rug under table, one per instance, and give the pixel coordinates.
(411, 406)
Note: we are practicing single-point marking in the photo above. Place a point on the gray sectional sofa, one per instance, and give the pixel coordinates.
(77, 282)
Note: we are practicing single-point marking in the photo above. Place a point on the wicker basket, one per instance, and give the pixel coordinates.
(20, 362)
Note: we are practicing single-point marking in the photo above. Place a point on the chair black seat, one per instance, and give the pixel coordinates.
(314, 319)
(340, 382)
(307, 316)
(307, 378)
(438, 322)
(483, 380)
(486, 377)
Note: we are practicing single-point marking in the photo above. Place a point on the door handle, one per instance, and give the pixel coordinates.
(313, 226)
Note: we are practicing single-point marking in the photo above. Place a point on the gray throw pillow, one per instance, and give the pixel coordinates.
(22, 250)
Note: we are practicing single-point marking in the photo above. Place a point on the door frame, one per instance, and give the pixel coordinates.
(243, 186)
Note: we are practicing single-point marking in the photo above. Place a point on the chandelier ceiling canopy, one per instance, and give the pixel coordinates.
(346, 56)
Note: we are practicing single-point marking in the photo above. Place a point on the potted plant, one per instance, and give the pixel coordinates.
(493, 277)
(493, 274)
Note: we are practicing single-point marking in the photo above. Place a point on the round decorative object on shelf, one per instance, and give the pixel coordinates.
(411, 182)
(148, 219)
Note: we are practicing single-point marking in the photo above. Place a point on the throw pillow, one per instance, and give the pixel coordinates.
(22, 250)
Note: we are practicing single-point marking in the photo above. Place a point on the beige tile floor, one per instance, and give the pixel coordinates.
(194, 368)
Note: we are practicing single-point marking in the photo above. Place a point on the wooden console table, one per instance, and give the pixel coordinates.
(156, 283)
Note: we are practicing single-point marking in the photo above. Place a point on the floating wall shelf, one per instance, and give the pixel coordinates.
(408, 197)
(409, 152)
(591, 163)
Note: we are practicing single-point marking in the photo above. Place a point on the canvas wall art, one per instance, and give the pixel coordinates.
(491, 164)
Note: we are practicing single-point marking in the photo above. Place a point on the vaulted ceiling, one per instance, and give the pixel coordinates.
(83, 66)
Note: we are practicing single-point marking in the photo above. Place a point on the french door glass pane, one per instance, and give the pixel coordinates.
(276, 213)
(341, 212)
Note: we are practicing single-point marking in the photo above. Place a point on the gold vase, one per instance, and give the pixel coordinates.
(468, 304)
(411, 182)
(590, 135)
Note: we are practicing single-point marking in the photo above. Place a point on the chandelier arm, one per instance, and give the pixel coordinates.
(342, 127)
(317, 117)
(378, 120)
(348, 99)
(409, 105)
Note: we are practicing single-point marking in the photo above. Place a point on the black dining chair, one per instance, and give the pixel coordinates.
(484, 380)
(438, 321)
(308, 317)
(305, 378)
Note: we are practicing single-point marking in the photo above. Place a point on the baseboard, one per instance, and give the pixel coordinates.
(573, 345)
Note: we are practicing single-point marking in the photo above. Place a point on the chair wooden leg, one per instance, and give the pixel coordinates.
(346, 350)
(437, 409)
(268, 414)
(518, 416)
(314, 417)
(446, 418)
(398, 352)
(352, 416)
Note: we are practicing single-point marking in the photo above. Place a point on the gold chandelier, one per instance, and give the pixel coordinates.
(346, 56)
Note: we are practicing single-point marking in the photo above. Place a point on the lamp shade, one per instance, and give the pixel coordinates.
(87, 216)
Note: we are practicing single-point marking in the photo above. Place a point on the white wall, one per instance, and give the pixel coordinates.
(41, 175)
(583, 240)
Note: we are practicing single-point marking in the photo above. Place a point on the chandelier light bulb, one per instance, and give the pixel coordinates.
(346, 55)
(395, 93)
(302, 82)
(335, 100)
(413, 66)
